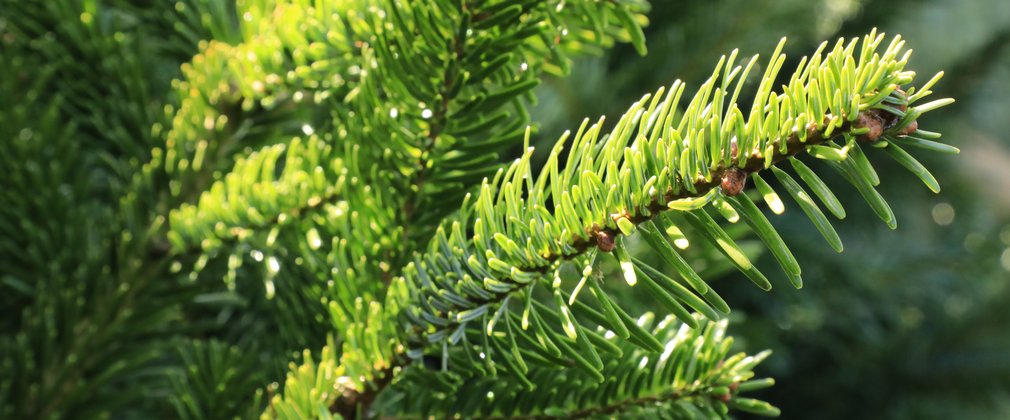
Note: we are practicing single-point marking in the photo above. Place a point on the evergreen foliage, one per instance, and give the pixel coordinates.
(312, 218)
(904, 324)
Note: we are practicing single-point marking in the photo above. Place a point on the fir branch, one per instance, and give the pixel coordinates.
(661, 161)
(702, 186)
(623, 406)
(446, 94)
(495, 57)
(595, 236)
(635, 381)
(353, 401)
(469, 99)
(99, 312)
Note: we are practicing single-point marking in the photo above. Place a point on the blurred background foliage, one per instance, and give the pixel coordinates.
(906, 324)
(909, 324)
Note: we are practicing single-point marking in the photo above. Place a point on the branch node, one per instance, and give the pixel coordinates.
(871, 121)
(605, 241)
(733, 181)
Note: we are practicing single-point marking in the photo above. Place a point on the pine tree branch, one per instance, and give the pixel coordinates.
(871, 120)
(614, 408)
(447, 93)
(231, 210)
(694, 370)
(234, 236)
(496, 56)
(661, 159)
(352, 401)
(83, 327)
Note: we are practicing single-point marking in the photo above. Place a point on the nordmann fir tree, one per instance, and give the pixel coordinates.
(337, 164)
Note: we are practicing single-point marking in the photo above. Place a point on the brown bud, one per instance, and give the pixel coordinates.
(733, 181)
(605, 241)
(872, 121)
(910, 128)
(734, 386)
(724, 398)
